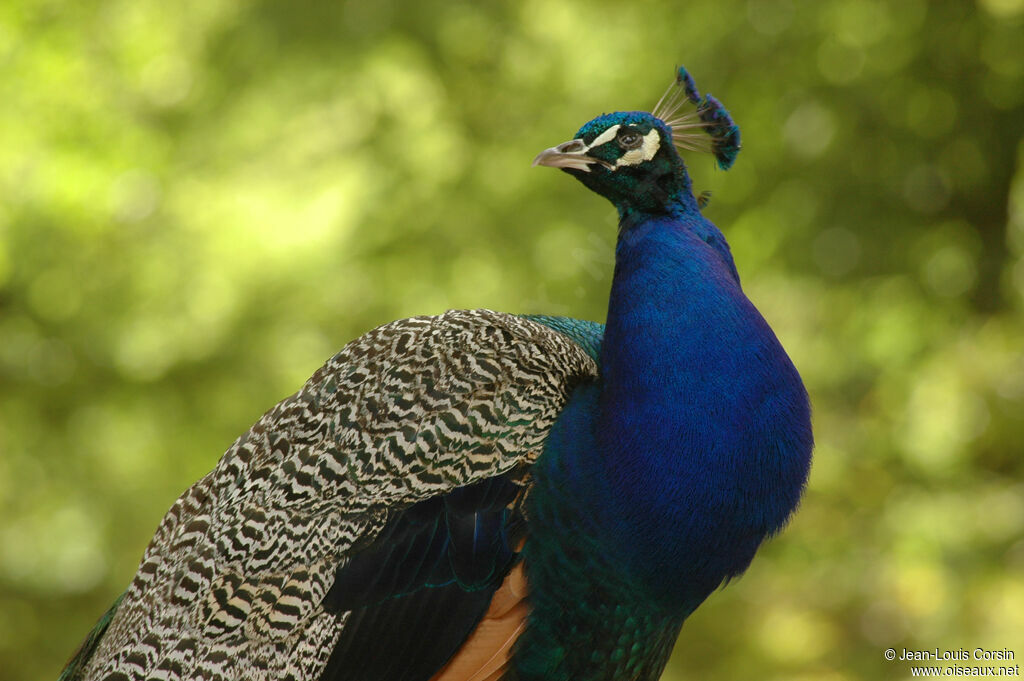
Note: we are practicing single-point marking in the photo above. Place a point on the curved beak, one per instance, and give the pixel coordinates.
(571, 154)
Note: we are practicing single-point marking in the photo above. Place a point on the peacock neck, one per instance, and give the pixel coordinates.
(675, 295)
(683, 364)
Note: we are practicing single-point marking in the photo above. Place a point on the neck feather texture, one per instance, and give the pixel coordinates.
(703, 424)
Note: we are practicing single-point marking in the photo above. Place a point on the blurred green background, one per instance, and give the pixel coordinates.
(201, 201)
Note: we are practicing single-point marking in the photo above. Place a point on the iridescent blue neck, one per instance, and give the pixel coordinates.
(696, 392)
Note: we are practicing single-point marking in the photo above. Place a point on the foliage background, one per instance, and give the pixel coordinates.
(201, 201)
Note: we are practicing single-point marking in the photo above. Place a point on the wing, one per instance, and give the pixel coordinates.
(424, 584)
(391, 480)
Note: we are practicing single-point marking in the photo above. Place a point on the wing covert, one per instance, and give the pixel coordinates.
(240, 566)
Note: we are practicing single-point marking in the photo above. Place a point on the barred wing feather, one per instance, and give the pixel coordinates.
(386, 436)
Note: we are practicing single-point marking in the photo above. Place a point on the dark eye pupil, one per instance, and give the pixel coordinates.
(630, 140)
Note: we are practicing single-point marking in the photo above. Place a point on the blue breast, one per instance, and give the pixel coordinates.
(695, 445)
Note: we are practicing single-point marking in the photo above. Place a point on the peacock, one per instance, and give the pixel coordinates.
(477, 495)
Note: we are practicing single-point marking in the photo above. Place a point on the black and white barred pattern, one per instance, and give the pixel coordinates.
(232, 582)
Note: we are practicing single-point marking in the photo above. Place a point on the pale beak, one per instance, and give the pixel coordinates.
(572, 154)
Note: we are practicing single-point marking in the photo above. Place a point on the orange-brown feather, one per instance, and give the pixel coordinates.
(485, 654)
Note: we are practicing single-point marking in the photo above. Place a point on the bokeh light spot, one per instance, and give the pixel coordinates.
(809, 129)
(836, 251)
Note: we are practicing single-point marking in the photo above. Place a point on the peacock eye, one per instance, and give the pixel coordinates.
(629, 139)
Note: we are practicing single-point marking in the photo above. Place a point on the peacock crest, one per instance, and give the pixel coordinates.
(706, 127)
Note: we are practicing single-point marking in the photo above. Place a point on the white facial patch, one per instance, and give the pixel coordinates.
(645, 152)
(606, 136)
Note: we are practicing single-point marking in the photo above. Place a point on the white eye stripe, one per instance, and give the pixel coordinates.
(645, 152)
(606, 136)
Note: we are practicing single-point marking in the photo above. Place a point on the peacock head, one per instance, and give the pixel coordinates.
(632, 157)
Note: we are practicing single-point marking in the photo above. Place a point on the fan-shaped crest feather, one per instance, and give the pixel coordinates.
(707, 128)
